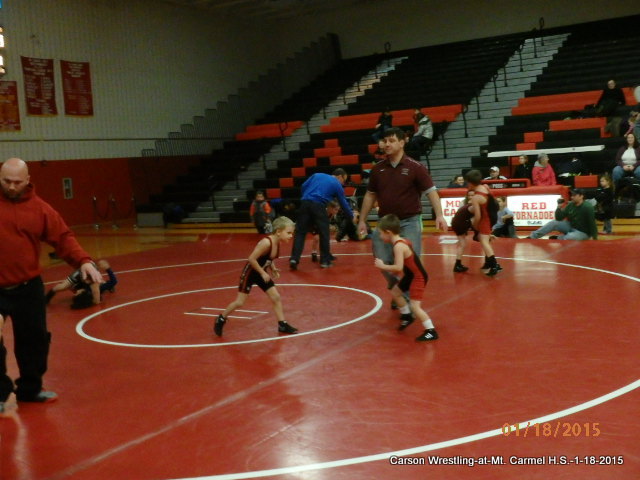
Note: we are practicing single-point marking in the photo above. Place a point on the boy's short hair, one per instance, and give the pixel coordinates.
(84, 299)
(473, 176)
(281, 223)
(390, 222)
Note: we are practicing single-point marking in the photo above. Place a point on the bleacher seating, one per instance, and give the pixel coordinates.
(548, 116)
(401, 118)
(269, 130)
(442, 79)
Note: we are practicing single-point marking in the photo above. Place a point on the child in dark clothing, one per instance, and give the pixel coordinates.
(261, 213)
(461, 224)
(605, 202)
(85, 294)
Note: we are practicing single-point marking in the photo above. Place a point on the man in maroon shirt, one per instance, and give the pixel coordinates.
(397, 184)
(25, 221)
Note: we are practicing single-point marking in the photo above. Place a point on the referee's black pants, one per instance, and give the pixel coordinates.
(26, 306)
(310, 214)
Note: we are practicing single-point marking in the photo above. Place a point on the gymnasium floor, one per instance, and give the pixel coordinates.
(147, 392)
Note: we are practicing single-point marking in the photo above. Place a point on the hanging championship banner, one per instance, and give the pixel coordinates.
(76, 88)
(9, 110)
(39, 86)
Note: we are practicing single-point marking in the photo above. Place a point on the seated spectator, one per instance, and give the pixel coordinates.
(379, 154)
(494, 174)
(385, 121)
(575, 220)
(422, 138)
(504, 227)
(457, 182)
(523, 170)
(610, 98)
(627, 161)
(261, 213)
(605, 203)
(566, 170)
(633, 123)
(542, 173)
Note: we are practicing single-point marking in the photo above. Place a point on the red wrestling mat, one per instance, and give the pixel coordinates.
(148, 392)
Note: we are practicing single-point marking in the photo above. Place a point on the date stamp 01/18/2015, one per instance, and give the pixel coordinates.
(522, 430)
(552, 429)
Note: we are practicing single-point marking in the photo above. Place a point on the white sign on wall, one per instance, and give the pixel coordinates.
(528, 210)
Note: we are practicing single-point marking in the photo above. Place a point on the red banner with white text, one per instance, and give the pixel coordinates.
(9, 110)
(39, 86)
(76, 88)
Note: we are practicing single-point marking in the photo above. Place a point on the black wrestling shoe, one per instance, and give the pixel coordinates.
(293, 265)
(43, 396)
(493, 270)
(314, 257)
(428, 335)
(219, 325)
(459, 268)
(284, 327)
(553, 237)
(406, 319)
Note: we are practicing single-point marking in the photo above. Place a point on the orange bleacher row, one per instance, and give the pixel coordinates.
(332, 149)
(564, 102)
(269, 130)
(445, 113)
(531, 138)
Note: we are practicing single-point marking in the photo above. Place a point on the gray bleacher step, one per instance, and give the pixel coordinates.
(210, 217)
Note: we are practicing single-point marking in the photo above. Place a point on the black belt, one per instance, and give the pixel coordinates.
(13, 287)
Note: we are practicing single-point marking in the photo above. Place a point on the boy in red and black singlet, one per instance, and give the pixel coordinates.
(461, 224)
(261, 271)
(414, 277)
(481, 220)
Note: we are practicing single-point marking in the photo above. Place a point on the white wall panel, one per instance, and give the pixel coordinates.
(153, 68)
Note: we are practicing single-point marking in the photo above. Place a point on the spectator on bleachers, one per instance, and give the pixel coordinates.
(567, 170)
(523, 170)
(605, 203)
(423, 137)
(494, 174)
(542, 173)
(633, 123)
(457, 182)
(261, 213)
(576, 220)
(627, 160)
(610, 99)
(379, 154)
(385, 120)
